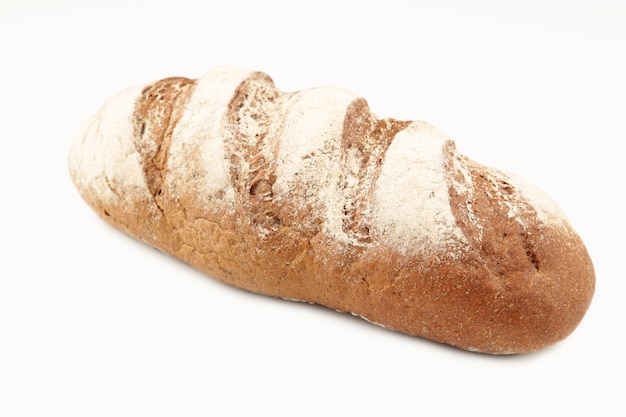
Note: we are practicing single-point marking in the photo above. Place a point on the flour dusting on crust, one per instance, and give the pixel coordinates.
(546, 209)
(103, 158)
(412, 204)
(309, 155)
(197, 153)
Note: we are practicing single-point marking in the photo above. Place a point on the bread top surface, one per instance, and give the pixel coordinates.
(239, 142)
(317, 181)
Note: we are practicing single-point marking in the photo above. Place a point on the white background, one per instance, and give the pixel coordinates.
(93, 323)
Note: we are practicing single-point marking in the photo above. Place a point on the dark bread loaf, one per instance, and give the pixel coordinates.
(309, 196)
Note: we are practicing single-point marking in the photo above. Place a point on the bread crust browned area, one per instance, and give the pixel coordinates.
(499, 273)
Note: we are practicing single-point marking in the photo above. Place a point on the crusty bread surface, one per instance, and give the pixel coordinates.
(309, 196)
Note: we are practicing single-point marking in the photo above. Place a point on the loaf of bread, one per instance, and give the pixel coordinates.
(309, 196)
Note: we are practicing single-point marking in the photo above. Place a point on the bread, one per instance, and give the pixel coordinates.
(309, 196)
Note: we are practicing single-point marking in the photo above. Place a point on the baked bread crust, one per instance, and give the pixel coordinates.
(309, 196)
